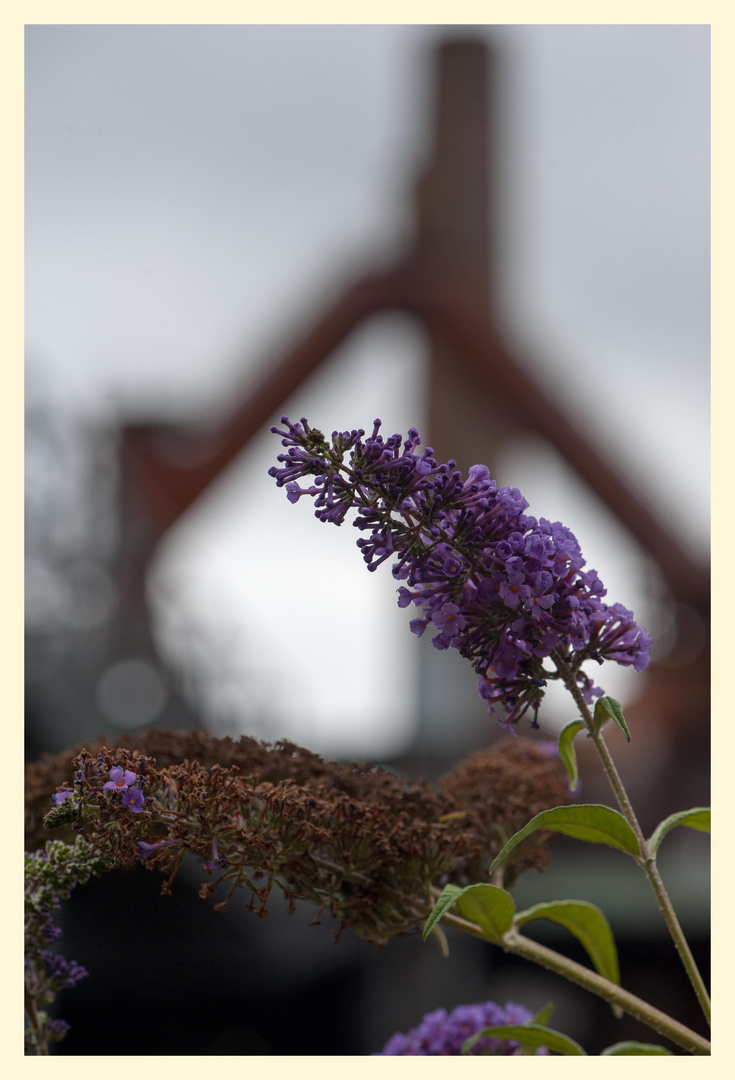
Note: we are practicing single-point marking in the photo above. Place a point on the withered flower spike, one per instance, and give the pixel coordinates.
(352, 839)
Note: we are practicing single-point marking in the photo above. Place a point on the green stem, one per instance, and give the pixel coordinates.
(682, 946)
(615, 995)
(516, 943)
(647, 860)
(34, 1021)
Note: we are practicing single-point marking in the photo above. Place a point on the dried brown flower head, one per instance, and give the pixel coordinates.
(501, 789)
(351, 838)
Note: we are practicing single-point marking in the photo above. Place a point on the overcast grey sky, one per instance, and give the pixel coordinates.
(193, 192)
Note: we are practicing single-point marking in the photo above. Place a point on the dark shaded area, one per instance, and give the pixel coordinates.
(169, 975)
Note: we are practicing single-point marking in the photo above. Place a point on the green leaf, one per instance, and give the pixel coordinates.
(696, 818)
(566, 750)
(608, 707)
(544, 1015)
(529, 1035)
(634, 1048)
(488, 907)
(446, 900)
(592, 822)
(588, 925)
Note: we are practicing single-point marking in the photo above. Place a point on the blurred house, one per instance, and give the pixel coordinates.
(481, 395)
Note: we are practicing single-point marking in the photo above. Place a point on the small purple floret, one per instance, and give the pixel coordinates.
(134, 798)
(145, 849)
(120, 779)
(215, 863)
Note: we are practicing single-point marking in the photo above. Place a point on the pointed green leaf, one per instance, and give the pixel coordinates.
(566, 750)
(588, 925)
(544, 1015)
(529, 1035)
(488, 907)
(634, 1048)
(608, 706)
(448, 896)
(696, 818)
(592, 822)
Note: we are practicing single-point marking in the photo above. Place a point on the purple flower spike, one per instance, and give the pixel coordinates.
(505, 589)
(120, 779)
(134, 798)
(59, 797)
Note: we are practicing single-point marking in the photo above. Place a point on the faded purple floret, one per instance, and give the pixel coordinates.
(215, 863)
(59, 797)
(145, 849)
(120, 779)
(505, 589)
(62, 972)
(442, 1033)
(56, 1029)
(134, 798)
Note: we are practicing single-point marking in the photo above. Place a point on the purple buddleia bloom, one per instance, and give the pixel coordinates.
(505, 589)
(120, 779)
(134, 798)
(444, 1034)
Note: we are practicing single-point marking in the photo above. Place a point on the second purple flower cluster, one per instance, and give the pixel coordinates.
(440, 1033)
